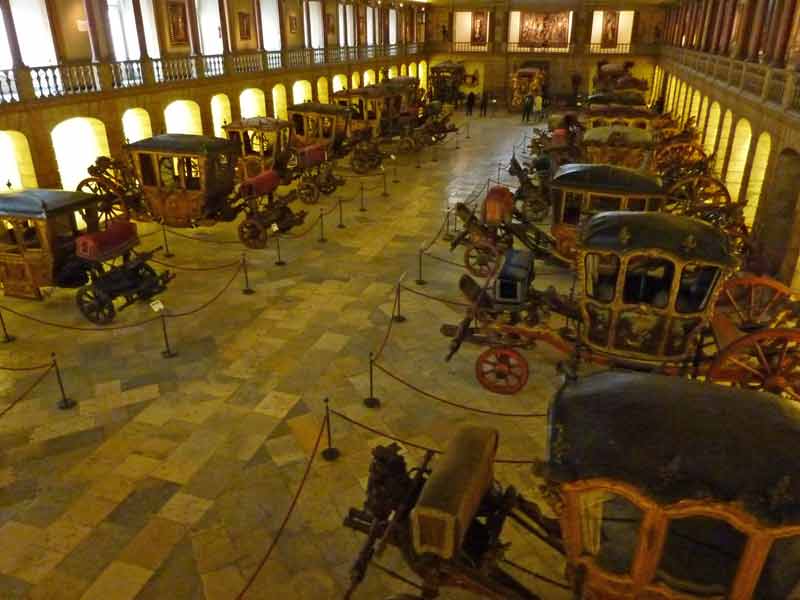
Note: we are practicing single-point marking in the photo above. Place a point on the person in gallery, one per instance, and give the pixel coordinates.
(484, 103)
(470, 103)
(538, 113)
(527, 108)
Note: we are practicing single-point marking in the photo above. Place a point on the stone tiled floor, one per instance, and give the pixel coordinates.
(171, 476)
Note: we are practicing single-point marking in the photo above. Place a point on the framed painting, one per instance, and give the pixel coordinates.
(244, 26)
(478, 36)
(292, 23)
(178, 23)
(544, 29)
(610, 31)
(329, 29)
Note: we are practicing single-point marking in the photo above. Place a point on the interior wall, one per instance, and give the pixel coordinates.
(68, 17)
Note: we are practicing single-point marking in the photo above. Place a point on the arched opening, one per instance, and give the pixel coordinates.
(673, 95)
(220, 113)
(423, 74)
(403, 71)
(381, 74)
(252, 103)
(183, 116)
(740, 149)
(722, 145)
(279, 101)
(412, 69)
(339, 83)
(694, 108)
(756, 180)
(392, 72)
(678, 106)
(712, 129)
(16, 162)
(136, 125)
(685, 103)
(701, 117)
(322, 90)
(670, 94)
(77, 143)
(356, 80)
(369, 77)
(301, 92)
(778, 229)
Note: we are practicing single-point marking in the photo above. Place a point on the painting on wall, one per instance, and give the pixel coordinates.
(478, 37)
(178, 24)
(292, 23)
(362, 28)
(610, 29)
(329, 28)
(244, 26)
(544, 29)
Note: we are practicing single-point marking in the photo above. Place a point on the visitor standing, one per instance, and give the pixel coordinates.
(527, 108)
(470, 103)
(537, 108)
(484, 103)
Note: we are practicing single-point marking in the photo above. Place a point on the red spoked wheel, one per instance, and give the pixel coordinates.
(481, 261)
(767, 360)
(753, 303)
(502, 370)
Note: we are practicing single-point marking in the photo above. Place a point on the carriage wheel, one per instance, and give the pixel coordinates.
(253, 234)
(481, 261)
(700, 195)
(95, 305)
(406, 145)
(308, 192)
(360, 163)
(767, 360)
(110, 205)
(502, 370)
(755, 303)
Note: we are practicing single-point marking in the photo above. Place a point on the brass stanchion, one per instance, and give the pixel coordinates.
(279, 262)
(322, 239)
(167, 352)
(64, 402)
(330, 453)
(420, 280)
(247, 290)
(371, 401)
(167, 253)
(7, 338)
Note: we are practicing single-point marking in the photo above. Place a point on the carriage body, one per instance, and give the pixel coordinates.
(261, 141)
(186, 179)
(579, 191)
(445, 80)
(703, 505)
(317, 124)
(622, 146)
(373, 107)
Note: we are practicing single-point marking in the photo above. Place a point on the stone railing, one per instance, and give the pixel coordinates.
(8, 87)
(175, 69)
(213, 65)
(126, 73)
(64, 80)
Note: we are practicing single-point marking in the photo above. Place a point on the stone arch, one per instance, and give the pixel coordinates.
(758, 170)
(339, 82)
(403, 70)
(136, 125)
(778, 227)
(252, 103)
(77, 143)
(392, 72)
(423, 74)
(678, 104)
(694, 107)
(701, 117)
(412, 69)
(369, 77)
(712, 128)
(302, 91)
(355, 80)
(722, 143)
(740, 148)
(183, 116)
(279, 101)
(220, 113)
(16, 162)
(322, 90)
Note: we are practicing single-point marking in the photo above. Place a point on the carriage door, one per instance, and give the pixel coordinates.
(25, 262)
(601, 272)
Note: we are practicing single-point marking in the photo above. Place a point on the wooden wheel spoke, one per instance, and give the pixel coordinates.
(735, 305)
(747, 367)
(762, 358)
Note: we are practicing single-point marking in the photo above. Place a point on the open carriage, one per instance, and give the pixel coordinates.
(641, 499)
(58, 238)
(654, 292)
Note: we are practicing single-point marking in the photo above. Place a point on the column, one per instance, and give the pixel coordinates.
(694, 24)
(708, 25)
(727, 27)
(754, 41)
(259, 30)
(140, 37)
(715, 36)
(194, 31)
(11, 33)
(770, 41)
(224, 25)
(785, 18)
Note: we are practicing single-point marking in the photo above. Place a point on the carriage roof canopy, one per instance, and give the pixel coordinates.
(607, 178)
(318, 107)
(629, 136)
(258, 123)
(701, 440)
(448, 66)
(41, 203)
(185, 144)
(623, 231)
(629, 98)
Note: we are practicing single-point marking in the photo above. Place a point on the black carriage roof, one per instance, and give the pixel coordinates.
(676, 439)
(448, 65)
(400, 82)
(630, 136)
(258, 123)
(373, 91)
(607, 178)
(318, 107)
(183, 143)
(41, 203)
(629, 98)
(690, 239)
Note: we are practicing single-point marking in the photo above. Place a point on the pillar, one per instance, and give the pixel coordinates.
(695, 24)
(754, 41)
(708, 25)
(99, 40)
(140, 37)
(224, 27)
(194, 31)
(260, 31)
(727, 27)
(783, 30)
(11, 33)
(715, 36)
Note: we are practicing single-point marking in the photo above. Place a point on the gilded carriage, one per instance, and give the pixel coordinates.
(59, 238)
(372, 108)
(261, 140)
(445, 80)
(524, 81)
(641, 499)
(618, 145)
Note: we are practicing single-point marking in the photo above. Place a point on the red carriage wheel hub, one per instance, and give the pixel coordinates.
(502, 370)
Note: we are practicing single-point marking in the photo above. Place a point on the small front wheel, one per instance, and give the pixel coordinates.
(308, 192)
(480, 261)
(502, 370)
(95, 305)
(253, 234)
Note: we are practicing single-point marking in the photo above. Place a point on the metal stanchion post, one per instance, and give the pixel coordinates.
(331, 452)
(498, 171)
(371, 401)
(279, 262)
(363, 208)
(395, 179)
(167, 352)
(385, 190)
(167, 253)
(420, 280)
(6, 337)
(397, 317)
(322, 238)
(341, 224)
(64, 402)
(247, 290)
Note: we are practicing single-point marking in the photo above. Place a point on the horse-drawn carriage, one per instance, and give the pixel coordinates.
(445, 80)
(654, 292)
(642, 499)
(67, 239)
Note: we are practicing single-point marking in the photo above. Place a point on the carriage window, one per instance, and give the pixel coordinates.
(604, 203)
(638, 204)
(148, 169)
(572, 207)
(370, 109)
(700, 556)
(248, 142)
(781, 574)
(327, 127)
(8, 239)
(167, 171)
(697, 284)
(655, 204)
(30, 235)
(191, 173)
(601, 276)
(313, 127)
(299, 125)
(648, 281)
(610, 530)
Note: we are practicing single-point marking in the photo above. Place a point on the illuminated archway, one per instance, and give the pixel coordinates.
(412, 69)
(673, 94)
(722, 145)
(322, 90)
(740, 148)
(16, 162)
(136, 125)
(252, 103)
(756, 180)
(686, 100)
(403, 71)
(369, 77)
(381, 74)
(220, 113)
(678, 105)
(701, 117)
(77, 143)
(356, 80)
(712, 129)
(423, 74)
(183, 116)
(339, 83)
(279, 102)
(779, 219)
(694, 107)
(670, 94)
(392, 72)
(301, 91)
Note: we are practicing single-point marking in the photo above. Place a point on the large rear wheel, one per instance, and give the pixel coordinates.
(253, 234)
(502, 370)
(95, 305)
